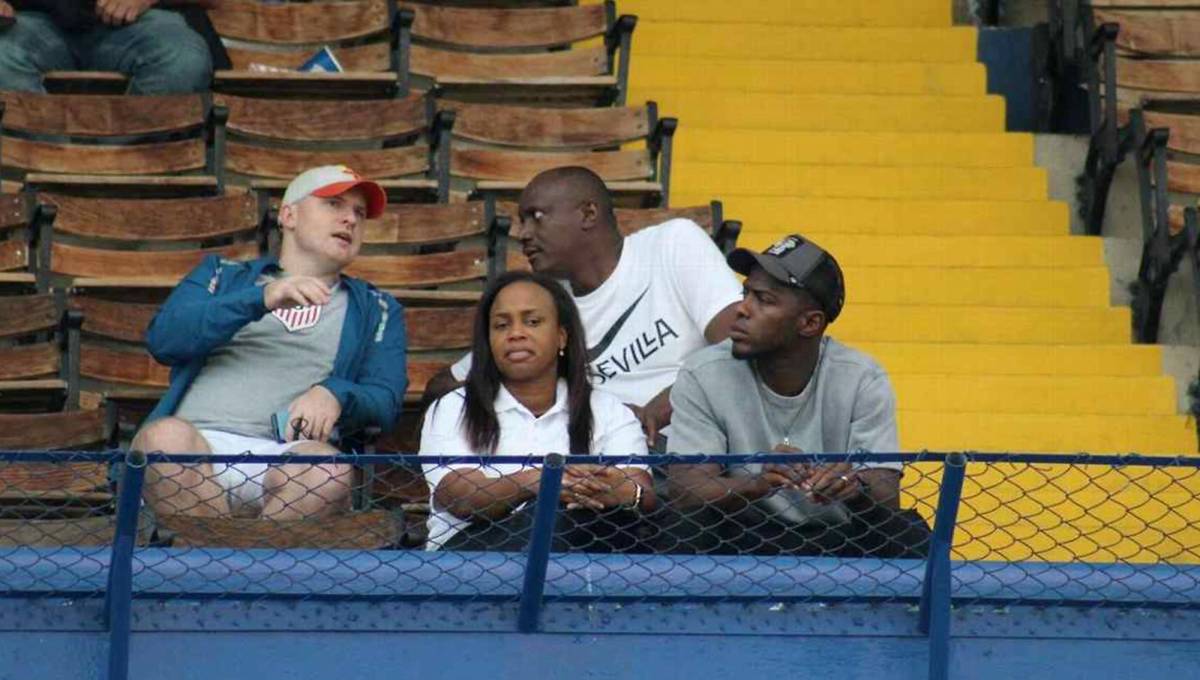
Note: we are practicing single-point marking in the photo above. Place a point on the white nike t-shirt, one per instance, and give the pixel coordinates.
(651, 313)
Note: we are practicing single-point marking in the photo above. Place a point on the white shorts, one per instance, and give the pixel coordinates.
(243, 482)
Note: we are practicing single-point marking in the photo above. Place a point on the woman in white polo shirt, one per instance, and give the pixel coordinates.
(528, 393)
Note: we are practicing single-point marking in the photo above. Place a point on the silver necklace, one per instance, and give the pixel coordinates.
(761, 383)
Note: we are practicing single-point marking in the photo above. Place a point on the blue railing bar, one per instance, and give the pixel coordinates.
(544, 518)
(945, 515)
(731, 459)
(935, 600)
(119, 595)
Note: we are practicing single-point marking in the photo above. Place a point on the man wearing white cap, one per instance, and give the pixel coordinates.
(276, 356)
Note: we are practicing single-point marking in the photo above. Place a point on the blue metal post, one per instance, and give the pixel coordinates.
(935, 590)
(544, 519)
(118, 597)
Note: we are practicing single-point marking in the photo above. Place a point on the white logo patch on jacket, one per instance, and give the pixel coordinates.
(298, 318)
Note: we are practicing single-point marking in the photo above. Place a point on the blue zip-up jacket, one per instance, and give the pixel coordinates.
(220, 296)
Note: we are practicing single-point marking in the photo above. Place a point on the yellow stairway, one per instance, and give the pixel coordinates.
(866, 126)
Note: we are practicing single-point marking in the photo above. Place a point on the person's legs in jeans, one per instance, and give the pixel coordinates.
(160, 53)
(29, 48)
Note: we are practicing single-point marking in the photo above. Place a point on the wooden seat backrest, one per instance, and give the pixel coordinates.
(54, 482)
(61, 430)
(439, 328)
(410, 224)
(23, 316)
(575, 63)
(326, 121)
(232, 217)
(522, 166)
(500, 28)
(1155, 32)
(140, 220)
(299, 23)
(100, 117)
(550, 128)
(301, 123)
(1159, 75)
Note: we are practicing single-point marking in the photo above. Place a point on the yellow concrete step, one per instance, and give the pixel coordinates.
(656, 74)
(803, 43)
(888, 217)
(1053, 433)
(1069, 513)
(979, 150)
(993, 325)
(831, 112)
(794, 12)
(1147, 395)
(974, 360)
(855, 250)
(987, 287)
(851, 181)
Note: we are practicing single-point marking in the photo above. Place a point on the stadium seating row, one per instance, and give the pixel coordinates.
(387, 48)
(422, 147)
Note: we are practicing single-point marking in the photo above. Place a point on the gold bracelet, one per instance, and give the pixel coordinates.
(637, 497)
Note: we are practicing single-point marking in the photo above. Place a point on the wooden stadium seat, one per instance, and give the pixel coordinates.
(1154, 31)
(363, 35)
(58, 503)
(431, 253)
(19, 226)
(119, 270)
(39, 353)
(389, 140)
(437, 337)
(116, 142)
(501, 147)
(153, 244)
(521, 55)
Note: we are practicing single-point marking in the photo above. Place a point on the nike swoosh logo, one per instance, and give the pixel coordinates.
(599, 349)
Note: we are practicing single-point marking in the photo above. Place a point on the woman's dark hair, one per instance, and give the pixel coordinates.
(483, 380)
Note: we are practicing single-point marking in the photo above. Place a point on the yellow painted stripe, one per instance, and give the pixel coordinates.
(778, 215)
(656, 74)
(980, 150)
(795, 12)
(1119, 359)
(1036, 394)
(833, 113)
(995, 287)
(995, 325)
(694, 40)
(848, 181)
(1054, 433)
(854, 250)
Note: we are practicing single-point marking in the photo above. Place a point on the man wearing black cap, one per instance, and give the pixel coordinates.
(780, 384)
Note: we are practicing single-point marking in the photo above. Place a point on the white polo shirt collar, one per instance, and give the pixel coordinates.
(506, 402)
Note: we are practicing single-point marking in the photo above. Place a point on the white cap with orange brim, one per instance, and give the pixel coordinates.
(335, 180)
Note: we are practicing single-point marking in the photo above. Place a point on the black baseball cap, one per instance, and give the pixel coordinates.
(798, 262)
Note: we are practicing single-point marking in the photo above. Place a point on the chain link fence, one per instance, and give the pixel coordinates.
(1028, 528)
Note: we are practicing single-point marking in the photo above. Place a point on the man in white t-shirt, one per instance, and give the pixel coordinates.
(647, 301)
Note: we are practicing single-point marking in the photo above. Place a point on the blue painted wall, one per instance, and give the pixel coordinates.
(189, 639)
